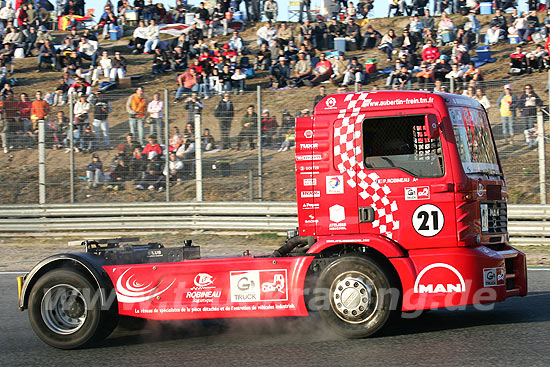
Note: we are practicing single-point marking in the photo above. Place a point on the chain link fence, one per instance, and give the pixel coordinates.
(237, 165)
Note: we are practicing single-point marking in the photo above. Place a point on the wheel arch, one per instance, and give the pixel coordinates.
(88, 266)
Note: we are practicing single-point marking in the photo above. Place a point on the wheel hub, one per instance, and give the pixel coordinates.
(64, 309)
(352, 297)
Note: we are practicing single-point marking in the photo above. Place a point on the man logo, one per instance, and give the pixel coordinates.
(436, 287)
(331, 102)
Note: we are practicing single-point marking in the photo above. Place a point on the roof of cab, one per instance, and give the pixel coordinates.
(388, 100)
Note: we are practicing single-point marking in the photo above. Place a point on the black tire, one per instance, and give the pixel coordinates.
(65, 310)
(357, 296)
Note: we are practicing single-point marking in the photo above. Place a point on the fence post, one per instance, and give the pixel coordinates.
(166, 145)
(198, 156)
(260, 158)
(41, 162)
(71, 146)
(251, 184)
(356, 87)
(542, 158)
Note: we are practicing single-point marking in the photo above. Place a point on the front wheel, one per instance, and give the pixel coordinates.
(358, 296)
(65, 310)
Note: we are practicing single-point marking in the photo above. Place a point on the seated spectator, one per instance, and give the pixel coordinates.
(119, 173)
(518, 62)
(249, 123)
(290, 137)
(401, 79)
(152, 149)
(302, 70)
(482, 99)
(386, 44)
(533, 24)
(354, 72)
(104, 67)
(42, 36)
(280, 73)
(320, 33)
(424, 77)
(140, 37)
(284, 34)
(415, 28)
(236, 43)
(455, 74)
(430, 53)
(473, 26)
(88, 50)
(29, 40)
(321, 73)
(59, 96)
(353, 31)
(339, 67)
(174, 170)
(497, 28)
(215, 84)
(47, 55)
(13, 37)
(306, 31)
(217, 21)
(519, 27)
(535, 59)
(446, 29)
(460, 54)
(269, 128)
(60, 128)
(94, 172)
(208, 141)
(473, 73)
(153, 178)
(179, 59)
(370, 38)
(187, 82)
(441, 67)
(129, 146)
(398, 6)
(263, 58)
(153, 36)
(73, 64)
(64, 52)
(118, 69)
(266, 34)
(109, 22)
(238, 81)
(80, 87)
(161, 61)
(407, 42)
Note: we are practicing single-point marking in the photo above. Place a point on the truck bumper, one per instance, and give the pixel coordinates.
(461, 276)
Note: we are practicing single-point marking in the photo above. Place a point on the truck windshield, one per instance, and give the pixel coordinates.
(473, 140)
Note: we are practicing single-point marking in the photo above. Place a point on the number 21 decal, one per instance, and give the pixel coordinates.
(428, 220)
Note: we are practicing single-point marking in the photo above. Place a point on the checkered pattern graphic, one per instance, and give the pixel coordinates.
(349, 163)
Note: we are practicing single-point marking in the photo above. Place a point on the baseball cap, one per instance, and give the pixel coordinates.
(265, 111)
(507, 86)
(95, 155)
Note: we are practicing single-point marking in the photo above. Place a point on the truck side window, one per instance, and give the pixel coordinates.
(401, 142)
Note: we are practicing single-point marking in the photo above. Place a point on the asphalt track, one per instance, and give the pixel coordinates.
(516, 332)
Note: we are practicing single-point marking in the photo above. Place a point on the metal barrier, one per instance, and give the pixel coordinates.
(528, 224)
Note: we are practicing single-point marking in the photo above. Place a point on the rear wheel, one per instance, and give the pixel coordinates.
(65, 310)
(357, 297)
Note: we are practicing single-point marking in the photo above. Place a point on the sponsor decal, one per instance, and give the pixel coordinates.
(393, 180)
(417, 193)
(395, 102)
(494, 277)
(337, 215)
(330, 103)
(310, 194)
(428, 220)
(310, 206)
(309, 146)
(310, 181)
(335, 184)
(308, 134)
(311, 220)
(130, 289)
(439, 278)
(204, 290)
(258, 285)
(308, 157)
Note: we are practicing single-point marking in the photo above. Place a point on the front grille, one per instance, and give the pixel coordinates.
(497, 217)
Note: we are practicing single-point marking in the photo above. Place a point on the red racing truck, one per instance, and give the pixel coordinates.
(401, 207)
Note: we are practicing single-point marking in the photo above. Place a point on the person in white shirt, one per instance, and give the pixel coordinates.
(153, 35)
(88, 50)
(7, 13)
(482, 99)
(140, 37)
(104, 67)
(155, 110)
(266, 34)
(236, 42)
(174, 169)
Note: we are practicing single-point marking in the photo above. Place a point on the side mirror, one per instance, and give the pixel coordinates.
(431, 126)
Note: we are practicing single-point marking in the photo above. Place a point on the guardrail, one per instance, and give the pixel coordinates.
(527, 224)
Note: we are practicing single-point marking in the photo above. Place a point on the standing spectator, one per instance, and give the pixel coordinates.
(304, 4)
(322, 94)
(135, 106)
(81, 121)
(94, 172)
(270, 10)
(249, 123)
(155, 110)
(225, 112)
(8, 123)
(194, 107)
(100, 124)
(354, 72)
(39, 110)
(153, 36)
(482, 99)
(528, 103)
(118, 67)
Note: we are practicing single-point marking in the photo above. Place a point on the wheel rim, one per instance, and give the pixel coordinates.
(353, 297)
(64, 309)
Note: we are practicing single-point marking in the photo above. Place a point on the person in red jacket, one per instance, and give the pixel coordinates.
(430, 53)
(518, 61)
(152, 149)
(269, 128)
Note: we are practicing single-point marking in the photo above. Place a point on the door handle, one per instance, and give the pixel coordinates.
(366, 215)
(448, 187)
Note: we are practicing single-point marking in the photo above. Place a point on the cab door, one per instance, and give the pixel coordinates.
(405, 187)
